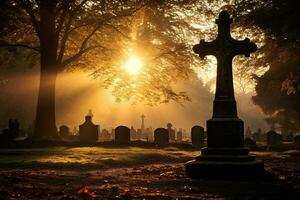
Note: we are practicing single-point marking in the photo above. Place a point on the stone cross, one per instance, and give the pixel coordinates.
(90, 113)
(224, 48)
(225, 154)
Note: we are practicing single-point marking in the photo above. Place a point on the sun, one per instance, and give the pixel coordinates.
(133, 65)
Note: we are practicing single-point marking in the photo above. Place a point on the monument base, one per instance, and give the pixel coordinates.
(225, 164)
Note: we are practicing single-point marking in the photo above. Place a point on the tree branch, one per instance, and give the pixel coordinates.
(61, 20)
(86, 40)
(101, 23)
(63, 41)
(79, 6)
(27, 5)
(78, 55)
(116, 29)
(80, 26)
(67, 28)
(83, 46)
(21, 45)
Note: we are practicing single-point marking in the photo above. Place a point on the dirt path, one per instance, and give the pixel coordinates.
(160, 181)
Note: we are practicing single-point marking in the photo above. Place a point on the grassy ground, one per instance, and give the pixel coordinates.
(90, 157)
(133, 173)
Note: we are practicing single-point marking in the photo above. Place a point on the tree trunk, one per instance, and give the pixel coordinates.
(45, 127)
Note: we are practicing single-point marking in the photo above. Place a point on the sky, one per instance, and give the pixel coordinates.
(76, 93)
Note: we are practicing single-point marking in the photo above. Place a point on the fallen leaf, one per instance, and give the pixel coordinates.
(85, 191)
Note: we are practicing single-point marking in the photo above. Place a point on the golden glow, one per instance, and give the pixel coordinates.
(133, 65)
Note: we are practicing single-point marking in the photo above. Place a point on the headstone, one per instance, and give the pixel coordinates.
(171, 132)
(297, 140)
(273, 138)
(249, 142)
(259, 136)
(256, 136)
(248, 133)
(149, 134)
(197, 136)
(179, 135)
(14, 127)
(13, 130)
(122, 135)
(225, 155)
(161, 136)
(64, 132)
(104, 136)
(88, 132)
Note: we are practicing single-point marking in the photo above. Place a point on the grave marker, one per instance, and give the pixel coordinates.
(161, 136)
(225, 155)
(122, 135)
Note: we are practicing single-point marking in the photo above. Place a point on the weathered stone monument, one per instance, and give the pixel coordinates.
(161, 136)
(88, 132)
(179, 135)
(122, 135)
(273, 138)
(149, 134)
(225, 155)
(13, 130)
(64, 131)
(248, 133)
(171, 132)
(259, 136)
(197, 136)
(105, 136)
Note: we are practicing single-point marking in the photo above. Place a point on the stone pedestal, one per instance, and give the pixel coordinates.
(225, 133)
(225, 163)
(225, 156)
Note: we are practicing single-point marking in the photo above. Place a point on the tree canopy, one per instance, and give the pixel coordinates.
(101, 36)
(278, 89)
(161, 33)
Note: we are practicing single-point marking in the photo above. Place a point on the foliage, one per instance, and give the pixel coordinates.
(277, 89)
(101, 35)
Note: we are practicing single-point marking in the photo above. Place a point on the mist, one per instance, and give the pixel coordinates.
(77, 92)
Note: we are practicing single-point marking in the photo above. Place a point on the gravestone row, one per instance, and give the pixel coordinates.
(89, 132)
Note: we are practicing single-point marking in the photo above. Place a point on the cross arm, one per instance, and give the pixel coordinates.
(244, 47)
(205, 48)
